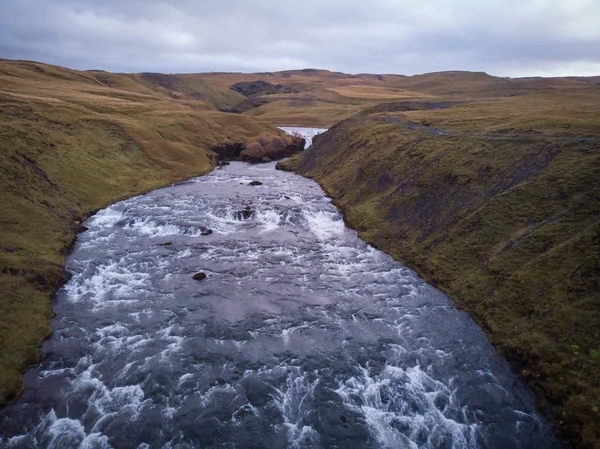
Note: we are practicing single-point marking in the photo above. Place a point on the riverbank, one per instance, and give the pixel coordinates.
(298, 334)
(68, 148)
(509, 227)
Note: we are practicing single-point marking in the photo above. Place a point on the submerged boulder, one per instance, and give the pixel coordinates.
(205, 231)
(199, 276)
(255, 183)
(244, 214)
(257, 391)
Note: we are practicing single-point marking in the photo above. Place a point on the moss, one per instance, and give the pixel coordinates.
(509, 227)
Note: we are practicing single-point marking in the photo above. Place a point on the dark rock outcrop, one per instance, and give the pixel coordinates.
(252, 88)
(267, 149)
(263, 149)
(259, 87)
(229, 151)
(199, 276)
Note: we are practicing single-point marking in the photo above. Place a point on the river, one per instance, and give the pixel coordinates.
(301, 335)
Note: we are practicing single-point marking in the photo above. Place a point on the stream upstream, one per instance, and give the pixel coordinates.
(301, 335)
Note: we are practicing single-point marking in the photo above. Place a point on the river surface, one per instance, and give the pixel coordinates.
(301, 335)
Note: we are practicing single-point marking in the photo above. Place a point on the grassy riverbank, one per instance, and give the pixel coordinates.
(503, 214)
(70, 145)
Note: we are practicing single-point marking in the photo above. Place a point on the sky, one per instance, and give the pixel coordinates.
(501, 37)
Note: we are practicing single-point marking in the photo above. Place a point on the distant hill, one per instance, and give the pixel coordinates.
(321, 98)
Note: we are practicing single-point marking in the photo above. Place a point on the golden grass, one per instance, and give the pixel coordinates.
(561, 112)
(376, 92)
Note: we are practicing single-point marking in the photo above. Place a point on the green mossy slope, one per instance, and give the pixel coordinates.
(510, 227)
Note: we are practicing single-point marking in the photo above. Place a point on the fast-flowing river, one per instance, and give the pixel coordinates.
(301, 335)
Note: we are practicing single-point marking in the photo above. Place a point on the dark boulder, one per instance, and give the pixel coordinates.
(258, 392)
(255, 183)
(244, 214)
(199, 276)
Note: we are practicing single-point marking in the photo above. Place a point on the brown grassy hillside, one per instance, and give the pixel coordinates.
(73, 142)
(321, 98)
(502, 212)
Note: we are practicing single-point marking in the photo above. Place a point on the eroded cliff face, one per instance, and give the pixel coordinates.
(510, 227)
(262, 148)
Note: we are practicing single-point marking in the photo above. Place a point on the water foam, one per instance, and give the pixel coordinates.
(403, 408)
(325, 225)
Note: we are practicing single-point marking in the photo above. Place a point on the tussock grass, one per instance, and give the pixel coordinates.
(376, 92)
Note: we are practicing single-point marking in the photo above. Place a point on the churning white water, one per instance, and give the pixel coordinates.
(301, 335)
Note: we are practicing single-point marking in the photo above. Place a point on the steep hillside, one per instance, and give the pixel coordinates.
(69, 145)
(496, 203)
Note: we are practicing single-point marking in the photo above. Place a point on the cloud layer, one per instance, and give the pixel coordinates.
(502, 37)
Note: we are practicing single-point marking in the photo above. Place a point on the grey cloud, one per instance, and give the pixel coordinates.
(508, 37)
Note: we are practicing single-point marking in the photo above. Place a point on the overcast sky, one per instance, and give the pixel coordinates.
(501, 37)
